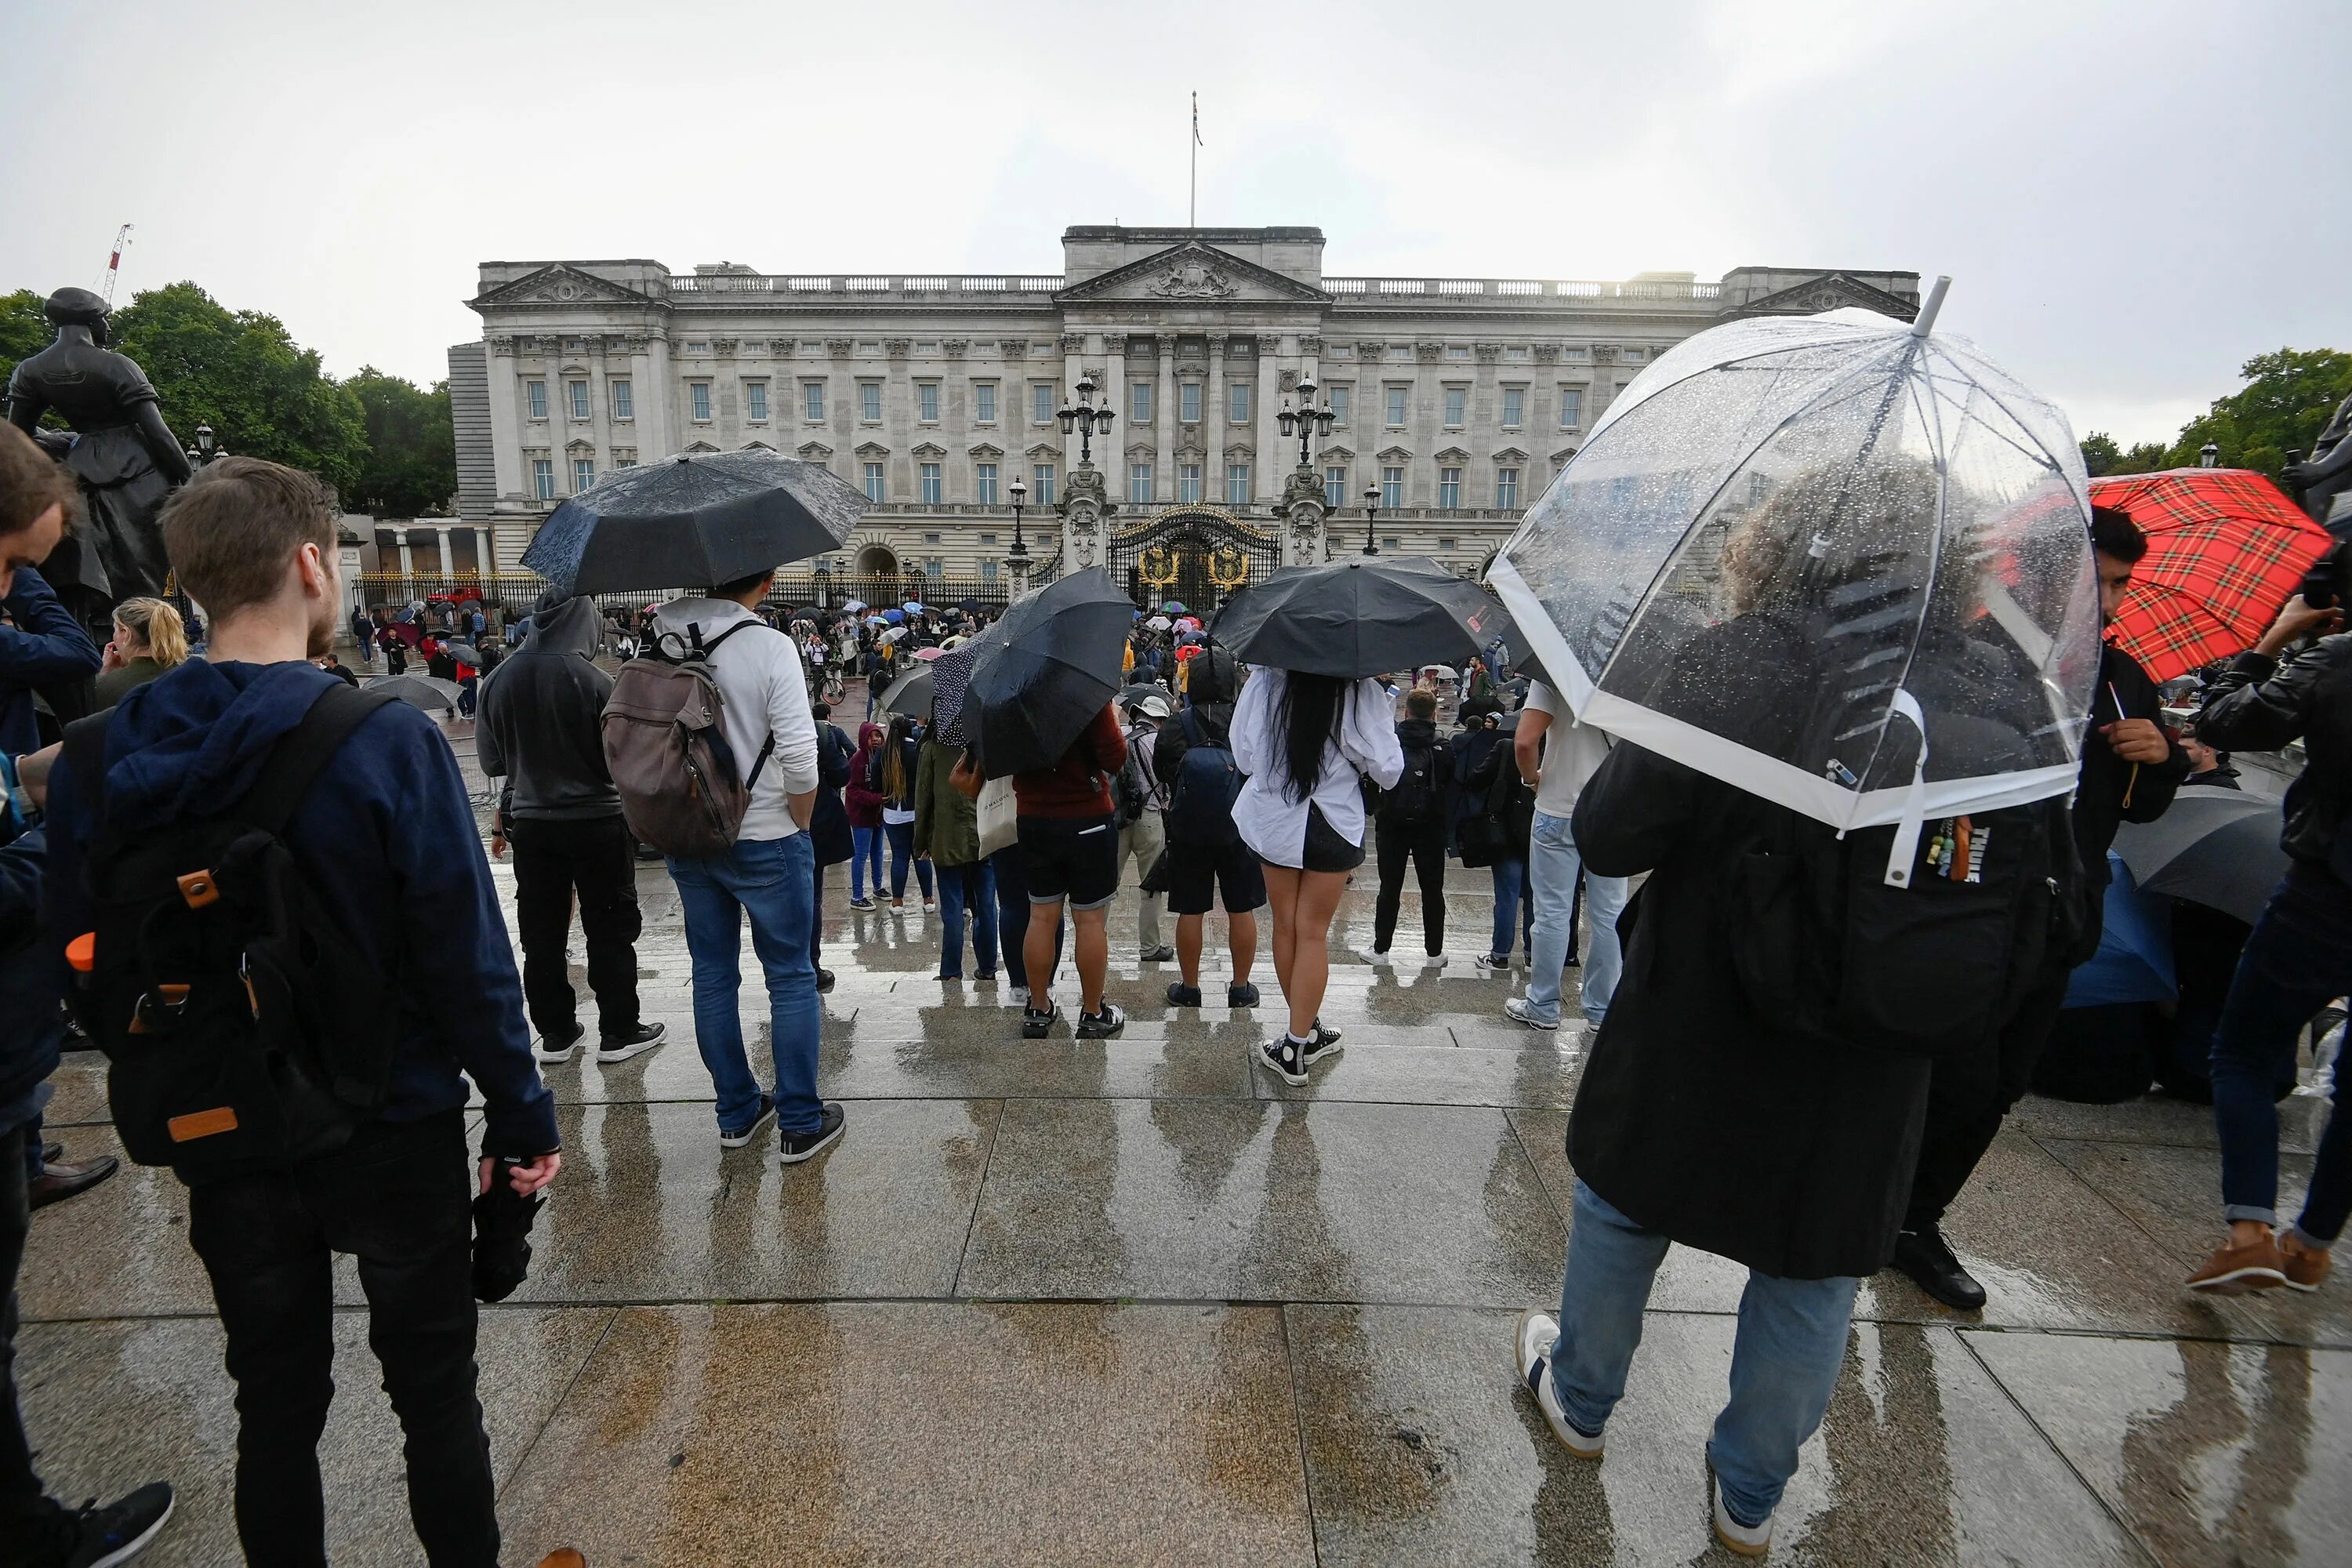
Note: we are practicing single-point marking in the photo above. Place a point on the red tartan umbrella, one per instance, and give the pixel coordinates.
(2226, 551)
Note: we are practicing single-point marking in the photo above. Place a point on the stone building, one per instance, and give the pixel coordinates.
(1456, 399)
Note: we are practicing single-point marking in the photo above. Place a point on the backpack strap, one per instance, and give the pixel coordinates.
(703, 650)
(302, 751)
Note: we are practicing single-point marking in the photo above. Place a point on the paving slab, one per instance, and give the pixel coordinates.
(922, 1432)
(2158, 1119)
(2213, 1454)
(1422, 1446)
(119, 1250)
(1258, 1202)
(111, 1406)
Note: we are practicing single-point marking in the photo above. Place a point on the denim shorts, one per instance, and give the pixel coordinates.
(1073, 858)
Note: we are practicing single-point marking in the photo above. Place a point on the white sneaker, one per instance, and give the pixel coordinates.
(1747, 1540)
(1376, 958)
(1538, 1331)
(1518, 1010)
(1432, 960)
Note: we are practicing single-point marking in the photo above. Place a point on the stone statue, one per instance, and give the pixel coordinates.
(126, 457)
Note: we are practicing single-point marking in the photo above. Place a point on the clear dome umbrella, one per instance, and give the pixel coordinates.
(1835, 561)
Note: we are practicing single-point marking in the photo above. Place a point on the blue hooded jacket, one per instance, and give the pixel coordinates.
(386, 834)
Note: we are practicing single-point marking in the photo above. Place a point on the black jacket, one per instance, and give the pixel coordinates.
(1700, 1116)
(32, 974)
(2108, 781)
(829, 834)
(2256, 704)
(1420, 734)
(542, 722)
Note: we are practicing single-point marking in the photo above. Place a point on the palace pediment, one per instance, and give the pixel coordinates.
(561, 285)
(1191, 274)
(1830, 291)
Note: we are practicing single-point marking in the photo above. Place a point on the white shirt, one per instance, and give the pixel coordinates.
(760, 677)
(1572, 753)
(1273, 824)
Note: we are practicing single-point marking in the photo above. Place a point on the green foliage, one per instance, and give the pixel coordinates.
(239, 371)
(2101, 455)
(411, 467)
(2288, 395)
(24, 330)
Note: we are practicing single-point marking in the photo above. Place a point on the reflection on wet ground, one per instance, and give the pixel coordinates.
(1133, 1301)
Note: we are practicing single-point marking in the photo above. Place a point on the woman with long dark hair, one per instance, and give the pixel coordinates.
(895, 766)
(1307, 742)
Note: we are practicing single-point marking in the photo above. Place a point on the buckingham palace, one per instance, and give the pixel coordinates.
(1452, 401)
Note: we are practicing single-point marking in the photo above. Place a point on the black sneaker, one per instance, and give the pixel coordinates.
(1102, 1025)
(1160, 954)
(119, 1532)
(1241, 994)
(736, 1137)
(1285, 1059)
(1035, 1024)
(631, 1042)
(1925, 1257)
(549, 1048)
(825, 979)
(1183, 995)
(795, 1147)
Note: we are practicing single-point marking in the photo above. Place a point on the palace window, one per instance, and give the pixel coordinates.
(1138, 483)
(583, 474)
(1630, 356)
(1335, 487)
(1449, 488)
(579, 391)
(1457, 400)
(930, 484)
(1571, 408)
(1516, 351)
(1400, 350)
(988, 571)
(1237, 484)
(1040, 402)
(1188, 403)
(625, 456)
(1138, 403)
(987, 539)
(985, 483)
(755, 399)
(1457, 351)
(1041, 483)
(1507, 487)
(874, 482)
(624, 402)
(1340, 401)
(1237, 402)
(1572, 353)
(813, 399)
(537, 392)
(1449, 543)
(983, 402)
(1392, 487)
(1396, 404)
(542, 478)
(1188, 483)
(869, 402)
(1515, 406)
(927, 402)
(930, 539)
(699, 396)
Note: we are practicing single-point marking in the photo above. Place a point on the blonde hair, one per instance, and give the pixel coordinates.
(157, 626)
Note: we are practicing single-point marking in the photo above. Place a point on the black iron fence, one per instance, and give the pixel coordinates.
(514, 592)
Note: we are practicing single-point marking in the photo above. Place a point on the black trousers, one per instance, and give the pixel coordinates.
(595, 858)
(400, 1200)
(1424, 843)
(21, 1498)
(1969, 1095)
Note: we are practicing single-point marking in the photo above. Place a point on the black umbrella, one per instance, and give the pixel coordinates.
(1046, 670)
(693, 521)
(1354, 618)
(2211, 846)
(911, 695)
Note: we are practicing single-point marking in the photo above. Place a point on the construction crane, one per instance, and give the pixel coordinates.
(113, 265)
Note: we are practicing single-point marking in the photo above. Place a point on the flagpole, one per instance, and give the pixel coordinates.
(1193, 191)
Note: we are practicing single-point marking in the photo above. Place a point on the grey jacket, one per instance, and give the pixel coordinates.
(540, 721)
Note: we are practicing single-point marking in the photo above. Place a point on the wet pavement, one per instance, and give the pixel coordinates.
(1135, 1302)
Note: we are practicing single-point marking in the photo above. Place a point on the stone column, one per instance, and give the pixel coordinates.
(1110, 459)
(1272, 460)
(652, 392)
(1163, 420)
(506, 421)
(1214, 431)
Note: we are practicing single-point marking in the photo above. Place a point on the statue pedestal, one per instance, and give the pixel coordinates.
(1303, 505)
(1086, 502)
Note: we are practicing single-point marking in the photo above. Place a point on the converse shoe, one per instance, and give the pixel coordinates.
(1241, 994)
(795, 1147)
(1183, 995)
(861, 903)
(1286, 1060)
(1518, 1011)
(1326, 1041)
(1033, 1023)
(1102, 1025)
(632, 1041)
(1746, 1539)
(1538, 1331)
(548, 1050)
(736, 1137)
(1377, 957)
(1492, 964)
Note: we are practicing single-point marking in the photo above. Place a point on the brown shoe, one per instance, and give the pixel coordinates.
(564, 1557)
(2238, 1270)
(58, 1182)
(2304, 1266)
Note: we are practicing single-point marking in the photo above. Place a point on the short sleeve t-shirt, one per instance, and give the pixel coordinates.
(1572, 753)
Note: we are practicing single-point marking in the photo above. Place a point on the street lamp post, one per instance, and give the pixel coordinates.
(2208, 456)
(1371, 514)
(203, 453)
(1307, 423)
(1086, 419)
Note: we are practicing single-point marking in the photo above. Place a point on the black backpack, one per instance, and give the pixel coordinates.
(243, 1029)
(1208, 782)
(1416, 795)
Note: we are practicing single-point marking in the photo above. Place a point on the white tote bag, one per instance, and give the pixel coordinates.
(998, 826)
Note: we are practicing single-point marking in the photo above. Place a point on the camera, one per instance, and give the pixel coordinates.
(2328, 584)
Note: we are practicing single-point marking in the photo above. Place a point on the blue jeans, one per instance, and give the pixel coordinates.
(773, 880)
(1510, 878)
(2298, 959)
(1784, 1358)
(972, 886)
(1552, 867)
(902, 850)
(865, 853)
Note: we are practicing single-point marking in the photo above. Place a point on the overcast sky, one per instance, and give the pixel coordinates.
(2131, 197)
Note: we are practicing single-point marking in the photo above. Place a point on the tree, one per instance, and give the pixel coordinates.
(411, 467)
(2100, 454)
(24, 330)
(241, 373)
(2288, 395)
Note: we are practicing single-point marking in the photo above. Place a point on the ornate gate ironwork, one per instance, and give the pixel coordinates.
(1197, 555)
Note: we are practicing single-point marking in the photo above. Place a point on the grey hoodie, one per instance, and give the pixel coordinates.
(542, 715)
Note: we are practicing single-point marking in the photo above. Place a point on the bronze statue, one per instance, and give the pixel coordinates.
(2327, 472)
(126, 457)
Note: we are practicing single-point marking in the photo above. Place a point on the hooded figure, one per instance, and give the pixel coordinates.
(543, 717)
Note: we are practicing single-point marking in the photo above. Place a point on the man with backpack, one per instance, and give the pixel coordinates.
(270, 886)
(1557, 756)
(1409, 823)
(737, 842)
(1192, 757)
(541, 730)
(1142, 835)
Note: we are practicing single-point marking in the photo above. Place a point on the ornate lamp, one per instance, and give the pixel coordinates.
(1371, 514)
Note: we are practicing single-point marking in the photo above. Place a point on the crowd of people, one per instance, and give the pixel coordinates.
(1698, 1119)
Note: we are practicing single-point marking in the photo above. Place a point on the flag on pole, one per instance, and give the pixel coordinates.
(1196, 122)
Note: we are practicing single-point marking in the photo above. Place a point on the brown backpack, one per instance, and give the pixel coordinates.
(666, 744)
